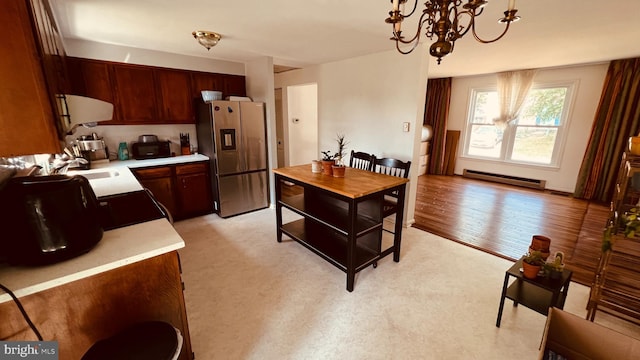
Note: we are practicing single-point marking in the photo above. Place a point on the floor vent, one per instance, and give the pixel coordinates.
(504, 179)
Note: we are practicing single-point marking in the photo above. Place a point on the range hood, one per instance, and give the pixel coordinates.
(80, 110)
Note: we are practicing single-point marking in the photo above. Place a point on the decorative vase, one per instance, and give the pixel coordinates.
(316, 166)
(338, 170)
(327, 167)
(542, 244)
(530, 271)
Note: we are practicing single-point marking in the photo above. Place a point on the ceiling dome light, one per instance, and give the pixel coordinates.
(207, 39)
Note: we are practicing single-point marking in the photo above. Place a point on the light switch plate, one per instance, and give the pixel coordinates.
(405, 126)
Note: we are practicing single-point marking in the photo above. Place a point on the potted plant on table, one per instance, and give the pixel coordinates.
(328, 160)
(338, 168)
(532, 262)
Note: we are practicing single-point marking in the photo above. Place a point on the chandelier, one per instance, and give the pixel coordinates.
(445, 20)
(207, 39)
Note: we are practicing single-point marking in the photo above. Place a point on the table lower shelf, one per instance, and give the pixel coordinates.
(332, 246)
(533, 297)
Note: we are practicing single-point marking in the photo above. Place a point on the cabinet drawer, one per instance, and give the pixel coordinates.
(191, 168)
(153, 173)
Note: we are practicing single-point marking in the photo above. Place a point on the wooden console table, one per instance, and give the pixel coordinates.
(342, 217)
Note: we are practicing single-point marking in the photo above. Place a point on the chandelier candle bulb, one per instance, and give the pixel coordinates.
(512, 5)
(395, 5)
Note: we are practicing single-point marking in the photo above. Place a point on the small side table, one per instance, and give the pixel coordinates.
(538, 294)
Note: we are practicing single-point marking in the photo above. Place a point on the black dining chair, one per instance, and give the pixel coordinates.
(361, 160)
(393, 167)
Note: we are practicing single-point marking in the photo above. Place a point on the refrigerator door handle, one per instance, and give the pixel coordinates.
(243, 153)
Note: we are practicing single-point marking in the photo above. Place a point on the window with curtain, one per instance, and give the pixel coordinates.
(535, 137)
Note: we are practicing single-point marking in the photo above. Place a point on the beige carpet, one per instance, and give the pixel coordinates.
(249, 297)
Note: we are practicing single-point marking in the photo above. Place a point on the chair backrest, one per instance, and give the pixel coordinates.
(393, 167)
(361, 160)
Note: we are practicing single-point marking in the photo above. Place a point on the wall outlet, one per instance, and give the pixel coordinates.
(405, 126)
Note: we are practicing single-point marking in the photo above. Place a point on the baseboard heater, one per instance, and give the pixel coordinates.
(504, 179)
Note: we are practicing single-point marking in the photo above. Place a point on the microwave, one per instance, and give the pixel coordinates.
(150, 150)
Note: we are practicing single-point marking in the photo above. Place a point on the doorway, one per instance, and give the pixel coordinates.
(299, 124)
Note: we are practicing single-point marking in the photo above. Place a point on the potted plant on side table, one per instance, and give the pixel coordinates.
(532, 262)
(555, 267)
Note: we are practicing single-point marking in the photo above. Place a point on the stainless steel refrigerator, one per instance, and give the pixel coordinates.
(233, 135)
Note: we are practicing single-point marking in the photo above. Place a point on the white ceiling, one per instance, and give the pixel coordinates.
(302, 33)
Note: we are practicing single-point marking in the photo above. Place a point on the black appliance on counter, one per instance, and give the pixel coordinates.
(151, 150)
(47, 219)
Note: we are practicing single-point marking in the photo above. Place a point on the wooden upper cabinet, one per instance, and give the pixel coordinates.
(27, 114)
(147, 94)
(90, 78)
(206, 81)
(234, 85)
(174, 96)
(135, 95)
(230, 85)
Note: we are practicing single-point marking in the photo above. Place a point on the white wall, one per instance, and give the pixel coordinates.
(367, 99)
(302, 124)
(590, 79)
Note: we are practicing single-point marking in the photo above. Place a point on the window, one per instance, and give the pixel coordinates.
(535, 137)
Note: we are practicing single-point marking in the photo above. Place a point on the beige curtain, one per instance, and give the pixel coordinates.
(513, 87)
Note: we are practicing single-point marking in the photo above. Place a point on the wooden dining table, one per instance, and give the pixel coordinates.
(341, 217)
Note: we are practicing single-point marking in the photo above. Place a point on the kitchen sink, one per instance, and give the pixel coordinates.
(100, 174)
(130, 208)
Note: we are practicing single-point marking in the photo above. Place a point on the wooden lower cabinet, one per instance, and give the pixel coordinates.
(160, 181)
(193, 186)
(80, 313)
(184, 189)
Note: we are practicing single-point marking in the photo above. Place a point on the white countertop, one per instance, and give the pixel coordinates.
(117, 248)
(116, 178)
(132, 164)
(112, 180)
